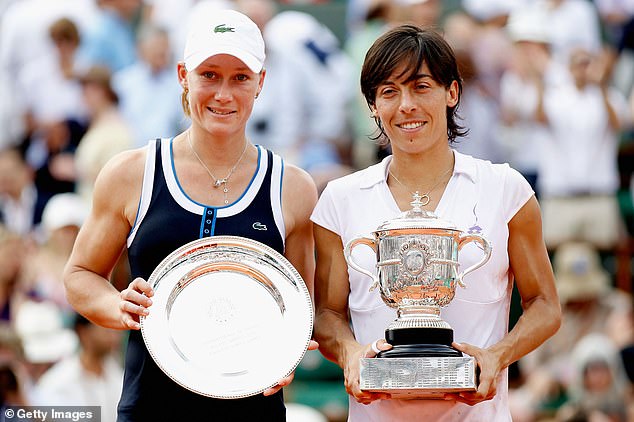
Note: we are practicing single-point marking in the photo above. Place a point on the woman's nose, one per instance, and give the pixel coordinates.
(223, 92)
(407, 104)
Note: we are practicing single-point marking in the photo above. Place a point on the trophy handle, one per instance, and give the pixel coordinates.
(347, 252)
(486, 248)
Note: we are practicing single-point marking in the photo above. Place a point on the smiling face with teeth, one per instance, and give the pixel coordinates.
(412, 108)
(222, 90)
(416, 64)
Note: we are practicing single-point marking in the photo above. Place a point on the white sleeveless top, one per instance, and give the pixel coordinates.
(480, 198)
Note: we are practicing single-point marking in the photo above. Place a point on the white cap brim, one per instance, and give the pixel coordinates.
(252, 62)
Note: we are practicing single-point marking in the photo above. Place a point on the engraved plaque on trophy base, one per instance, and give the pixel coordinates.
(418, 377)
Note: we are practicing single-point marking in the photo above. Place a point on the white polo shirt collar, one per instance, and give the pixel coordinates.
(377, 173)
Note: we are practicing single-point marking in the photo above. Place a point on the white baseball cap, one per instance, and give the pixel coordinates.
(224, 32)
(41, 330)
(64, 209)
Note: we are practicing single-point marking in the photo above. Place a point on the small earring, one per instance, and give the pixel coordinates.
(257, 95)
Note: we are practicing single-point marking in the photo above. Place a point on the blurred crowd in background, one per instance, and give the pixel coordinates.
(548, 88)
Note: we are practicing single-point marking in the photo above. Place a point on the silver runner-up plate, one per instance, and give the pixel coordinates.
(230, 317)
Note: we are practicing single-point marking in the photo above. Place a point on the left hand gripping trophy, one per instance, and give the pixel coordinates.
(417, 262)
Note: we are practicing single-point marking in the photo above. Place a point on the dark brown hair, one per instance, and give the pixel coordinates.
(100, 76)
(64, 29)
(412, 46)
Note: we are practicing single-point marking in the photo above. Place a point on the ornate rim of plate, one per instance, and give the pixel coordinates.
(202, 331)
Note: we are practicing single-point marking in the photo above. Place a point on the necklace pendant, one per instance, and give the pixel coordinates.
(219, 182)
(424, 199)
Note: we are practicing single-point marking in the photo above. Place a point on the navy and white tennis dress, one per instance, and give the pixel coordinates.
(167, 219)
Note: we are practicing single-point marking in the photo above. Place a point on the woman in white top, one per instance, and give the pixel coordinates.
(411, 83)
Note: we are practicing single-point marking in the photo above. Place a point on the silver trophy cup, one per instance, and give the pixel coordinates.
(417, 266)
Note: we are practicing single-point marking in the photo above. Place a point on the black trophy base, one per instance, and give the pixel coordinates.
(419, 342)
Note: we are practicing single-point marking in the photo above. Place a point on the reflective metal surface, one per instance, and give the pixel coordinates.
(417, 263)
(421, 377)
(230, 317)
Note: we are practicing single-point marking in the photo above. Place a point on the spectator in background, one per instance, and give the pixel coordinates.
(15, 383)
(24, 38)
(598, 388)
(357, 12)
(52, 157)
(110, 41)
(55, 114)
(13, 250)
(175, 16)
(571, 24)
(479, 108)
(617, 21)
(379, 16)
(312, 131)
(588, 302)
(45, 338)
(277, 131)
(584, 119)
(147, 90)
(92, 376)
(422, 13)
(63, 216)
(531, 72)
(10, 388)
(108, 133)
(20, 207)
(60, 96)
(169, 15)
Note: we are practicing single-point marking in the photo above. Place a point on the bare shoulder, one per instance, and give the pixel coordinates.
(299, 193)
(297, 180)
(120, 181)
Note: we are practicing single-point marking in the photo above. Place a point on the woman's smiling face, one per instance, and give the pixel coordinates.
(222, 90)
(413, 110)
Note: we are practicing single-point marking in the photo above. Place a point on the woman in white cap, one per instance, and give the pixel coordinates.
(209, 180)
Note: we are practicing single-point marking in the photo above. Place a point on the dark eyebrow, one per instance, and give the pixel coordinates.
(419, 76)
(413, 77)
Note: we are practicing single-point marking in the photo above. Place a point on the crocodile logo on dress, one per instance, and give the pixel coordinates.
(259, 226)
(222, 28)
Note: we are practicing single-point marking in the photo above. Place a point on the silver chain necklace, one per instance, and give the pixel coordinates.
(424, 198)
(225, 180)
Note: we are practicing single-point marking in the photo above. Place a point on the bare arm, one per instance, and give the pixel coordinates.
(332, 325)
(299, 196)
(613, 117)
(541, 310)
(100, 243)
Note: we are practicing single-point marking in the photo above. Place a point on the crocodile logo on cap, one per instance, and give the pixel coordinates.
(222, 28)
